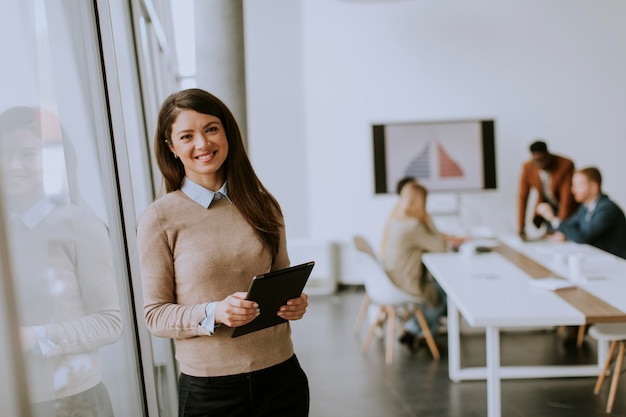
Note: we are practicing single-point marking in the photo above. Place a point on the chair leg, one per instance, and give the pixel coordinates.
(370, 333)
(607, 364)
(581, 335)
(616, 373)
(362, 312)
(391, 321)
(427, 334)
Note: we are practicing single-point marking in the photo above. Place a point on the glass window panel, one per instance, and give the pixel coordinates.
(9, 393)
(158, 81)
(67, 261)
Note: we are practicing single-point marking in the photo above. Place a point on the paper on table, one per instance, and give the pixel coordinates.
(551, 283)
(486, 243)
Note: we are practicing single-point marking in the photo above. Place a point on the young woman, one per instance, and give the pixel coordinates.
(399, 186)
(64, 274)
(410, 233)
(199, 246)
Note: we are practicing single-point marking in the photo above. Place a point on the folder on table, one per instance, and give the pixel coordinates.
(552, 283)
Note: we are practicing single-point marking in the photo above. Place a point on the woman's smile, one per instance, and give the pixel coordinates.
(199, 141)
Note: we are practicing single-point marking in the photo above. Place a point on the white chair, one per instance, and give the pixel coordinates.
(616, 334)
(389, 299)
(362, 245)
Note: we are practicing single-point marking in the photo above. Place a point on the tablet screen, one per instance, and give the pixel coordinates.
(271, 291)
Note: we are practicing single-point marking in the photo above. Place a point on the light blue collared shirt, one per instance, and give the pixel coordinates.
(201, 195)
(35, 213)
(205, 198)
(591, 206)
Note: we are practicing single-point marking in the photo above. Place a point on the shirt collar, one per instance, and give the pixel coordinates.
(591, 206)
(35, 213)
(201, 195)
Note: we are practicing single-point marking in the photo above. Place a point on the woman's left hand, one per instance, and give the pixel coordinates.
(295, 308)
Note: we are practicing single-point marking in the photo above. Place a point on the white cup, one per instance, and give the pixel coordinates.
(575, 266)
(467, 249)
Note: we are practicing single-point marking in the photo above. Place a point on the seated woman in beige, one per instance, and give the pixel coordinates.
(399, 186)
(410, 233)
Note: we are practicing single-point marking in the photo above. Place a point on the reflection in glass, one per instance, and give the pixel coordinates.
(62, 267)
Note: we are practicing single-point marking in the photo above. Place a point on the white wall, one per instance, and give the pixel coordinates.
(542, 69)
(277, 136)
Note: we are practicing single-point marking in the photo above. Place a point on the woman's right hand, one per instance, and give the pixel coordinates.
(235, 310)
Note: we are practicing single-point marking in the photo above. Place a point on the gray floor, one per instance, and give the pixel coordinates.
(346, 382)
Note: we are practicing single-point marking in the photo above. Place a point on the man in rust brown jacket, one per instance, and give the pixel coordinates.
(551, 176)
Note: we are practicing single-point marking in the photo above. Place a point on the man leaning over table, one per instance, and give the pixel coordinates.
(598, 222)
(551, 176)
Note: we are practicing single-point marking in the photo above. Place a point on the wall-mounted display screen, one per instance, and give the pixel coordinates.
(442, 155)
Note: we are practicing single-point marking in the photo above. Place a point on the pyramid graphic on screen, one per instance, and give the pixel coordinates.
(419, 167)
(448, 167)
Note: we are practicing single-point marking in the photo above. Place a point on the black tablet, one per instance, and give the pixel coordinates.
(271, 291)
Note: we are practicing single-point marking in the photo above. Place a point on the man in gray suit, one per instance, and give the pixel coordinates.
(598, 222)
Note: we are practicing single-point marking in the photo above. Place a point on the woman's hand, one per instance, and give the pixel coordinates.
(235, 310)
(454, 241)
(295, 308)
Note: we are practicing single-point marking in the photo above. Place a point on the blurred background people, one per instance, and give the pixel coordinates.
(64, 272)
(551, 176)
(598, 222)
(399, 186)
(411, 232)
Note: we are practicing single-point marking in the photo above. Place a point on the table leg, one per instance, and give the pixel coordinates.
(454, 342)
(493, 372)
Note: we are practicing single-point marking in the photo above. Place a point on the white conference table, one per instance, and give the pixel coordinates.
(490, 291)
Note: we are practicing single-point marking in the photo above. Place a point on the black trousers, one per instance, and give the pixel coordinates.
(95, 402)
(279, 391)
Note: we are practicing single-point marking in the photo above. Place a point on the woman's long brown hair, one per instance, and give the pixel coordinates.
(413, 202)
(255, 203)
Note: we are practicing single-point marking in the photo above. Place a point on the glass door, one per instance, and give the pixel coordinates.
(66, 256)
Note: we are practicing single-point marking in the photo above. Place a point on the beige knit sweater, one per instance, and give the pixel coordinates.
(407, 240)
(191, 256)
